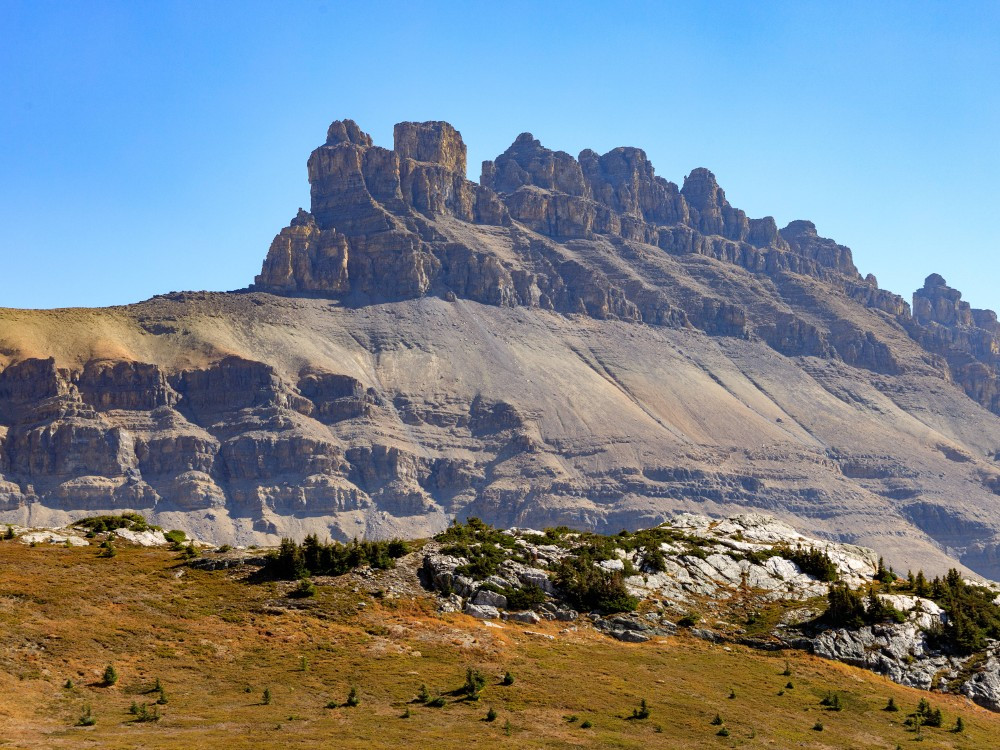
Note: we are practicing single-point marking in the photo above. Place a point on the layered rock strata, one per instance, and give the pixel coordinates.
(571, 340)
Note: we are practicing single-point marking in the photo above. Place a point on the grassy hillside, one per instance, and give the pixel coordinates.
(217, 641)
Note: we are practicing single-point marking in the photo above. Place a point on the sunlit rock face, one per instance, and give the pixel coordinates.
(571, 340)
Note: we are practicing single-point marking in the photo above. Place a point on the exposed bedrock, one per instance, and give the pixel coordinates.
(573, 339)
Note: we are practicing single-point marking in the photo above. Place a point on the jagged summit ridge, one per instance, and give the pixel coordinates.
(360, 190)
(572, 340)
(406, 223)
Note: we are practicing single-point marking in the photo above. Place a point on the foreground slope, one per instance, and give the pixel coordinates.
(570, 341)
(215, 641)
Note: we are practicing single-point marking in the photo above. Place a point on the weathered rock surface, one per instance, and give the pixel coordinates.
(572, 340)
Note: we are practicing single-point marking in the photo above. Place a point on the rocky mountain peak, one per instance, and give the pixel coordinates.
(432, 142)
(934, 280)
(710, 211)
(799, 228)
(576, 340)
(527, 162)
(936, 302)
(347, 131)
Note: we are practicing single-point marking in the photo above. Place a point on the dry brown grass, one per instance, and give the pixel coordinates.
(210, 638)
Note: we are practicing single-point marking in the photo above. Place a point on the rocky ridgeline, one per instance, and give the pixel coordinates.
(679, 567)
(712, 578)
(569, 340)
(382, 226)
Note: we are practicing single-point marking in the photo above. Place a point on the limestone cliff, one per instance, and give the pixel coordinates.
(571, 340)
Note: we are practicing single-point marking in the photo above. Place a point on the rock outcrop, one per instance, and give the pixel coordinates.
(572, 340)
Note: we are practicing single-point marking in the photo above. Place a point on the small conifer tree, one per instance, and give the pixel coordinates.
(352, 698)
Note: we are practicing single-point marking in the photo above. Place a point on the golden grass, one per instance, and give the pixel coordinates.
(216, 643)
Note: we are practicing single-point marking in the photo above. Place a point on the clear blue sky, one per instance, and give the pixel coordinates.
(150, 147)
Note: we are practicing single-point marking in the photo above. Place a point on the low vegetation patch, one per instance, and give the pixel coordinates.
(104, 524)
(313, 557)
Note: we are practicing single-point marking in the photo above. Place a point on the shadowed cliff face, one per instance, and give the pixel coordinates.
(572, 340)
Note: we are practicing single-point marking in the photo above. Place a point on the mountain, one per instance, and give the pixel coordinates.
(570, 341)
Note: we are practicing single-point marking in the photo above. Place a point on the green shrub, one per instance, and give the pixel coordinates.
(508, 679)
(586, 724)
(491, 715)
(878, 610)
(528, 597)
(927, 714)
(883, 575)
(654, 560)
(423, 695)
(475, 681)
(352, 698)
(590, 587)
(642, 712)
(437, 702)
(832, 701)
(87, 718)
(845, 608)
(723, 732)
(689, 620)
(818, 726)
(110, 676)
(973, 617)
(68, 684)
(813, 562)
(145, 713)
(266, 697)
(304, 590)
(103, 524)
(175, 537)
(717, 721)
(9, 534)
(312, 557)
(959, 725)
(891, 706)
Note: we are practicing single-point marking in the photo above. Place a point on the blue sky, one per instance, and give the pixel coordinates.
(151, 147)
